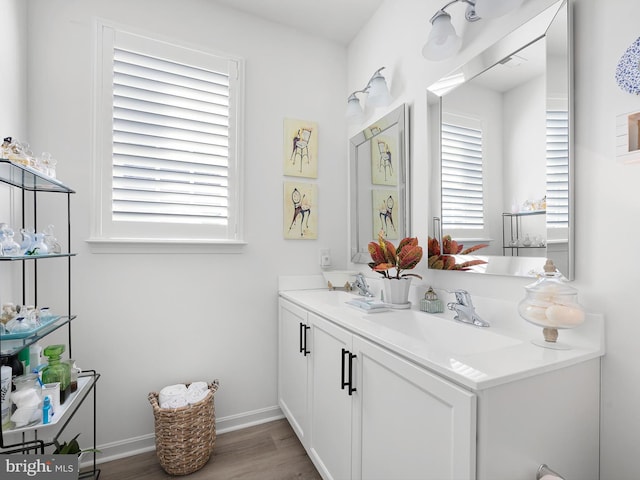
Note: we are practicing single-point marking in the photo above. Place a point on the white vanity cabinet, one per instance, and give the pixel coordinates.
(409, 423)
(405, 395)
(293, 366)
(330, 404)
(370, 414)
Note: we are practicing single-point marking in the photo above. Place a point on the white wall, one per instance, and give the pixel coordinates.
(525, 146)
(150, 320)
(607, 260)
(13, 120)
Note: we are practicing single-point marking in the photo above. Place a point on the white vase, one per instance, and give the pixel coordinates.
(396, 291)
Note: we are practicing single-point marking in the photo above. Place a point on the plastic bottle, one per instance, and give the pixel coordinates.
(16, 366)
(35, 356)
(23, 356)
(57, 371)
(46, 410)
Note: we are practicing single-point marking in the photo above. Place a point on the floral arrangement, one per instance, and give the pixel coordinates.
(386, 257)
(441, 259)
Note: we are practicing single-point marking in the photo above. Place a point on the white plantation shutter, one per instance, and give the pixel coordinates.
(169, 122)
(557, 169)
(170, 141)
(462, 193)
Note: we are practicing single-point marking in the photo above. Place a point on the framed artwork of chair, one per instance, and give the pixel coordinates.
(300, 148)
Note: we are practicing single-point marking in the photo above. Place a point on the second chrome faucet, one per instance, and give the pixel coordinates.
(465, 311)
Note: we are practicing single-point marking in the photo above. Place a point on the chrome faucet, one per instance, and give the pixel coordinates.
(465, 311)
(361, 284)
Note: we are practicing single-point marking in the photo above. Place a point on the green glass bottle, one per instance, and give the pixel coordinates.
(57, 371)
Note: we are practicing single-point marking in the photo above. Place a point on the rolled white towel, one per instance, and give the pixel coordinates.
(196, 392)
(173, 396)
(26, 397)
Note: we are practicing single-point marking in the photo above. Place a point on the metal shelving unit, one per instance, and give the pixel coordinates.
(512, 230)
(34, 439)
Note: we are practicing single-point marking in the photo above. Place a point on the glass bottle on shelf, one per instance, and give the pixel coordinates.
(9, 247)
(28, 400)
(51, 241)
(57, 371)
(38, 247)
(75, 371)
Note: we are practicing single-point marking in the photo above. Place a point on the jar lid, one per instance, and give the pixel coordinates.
(430, 295)
(53, 351)
(552, 280)
(27, 378)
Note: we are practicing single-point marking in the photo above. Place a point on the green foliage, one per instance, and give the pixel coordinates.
(71, 448)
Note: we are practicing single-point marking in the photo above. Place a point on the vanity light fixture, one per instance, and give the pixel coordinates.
(378, 95)
(444, 42)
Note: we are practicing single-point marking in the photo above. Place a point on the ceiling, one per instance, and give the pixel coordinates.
(337, 20)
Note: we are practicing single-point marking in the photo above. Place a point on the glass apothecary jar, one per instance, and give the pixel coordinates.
(551, 304)
(27, 399)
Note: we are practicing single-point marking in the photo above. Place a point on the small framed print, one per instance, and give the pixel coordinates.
(628, 137)
(300, 148)
(385, 213)
(300, 211)
(384, 160)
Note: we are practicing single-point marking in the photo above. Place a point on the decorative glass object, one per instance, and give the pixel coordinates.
(57, 371)
(551, 304)
(27, 398)
(431, 303)
(51, 241)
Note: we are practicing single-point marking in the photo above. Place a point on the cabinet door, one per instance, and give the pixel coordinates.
(409, 423)
(292, 366)
(330, 443)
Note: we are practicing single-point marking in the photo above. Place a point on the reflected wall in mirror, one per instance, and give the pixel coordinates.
(378, 191)
(501, 153)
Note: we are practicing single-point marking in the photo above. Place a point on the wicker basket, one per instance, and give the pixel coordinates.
(185, 436)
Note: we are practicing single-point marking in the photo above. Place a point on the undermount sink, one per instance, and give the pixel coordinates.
(439, 334)
(445, 335)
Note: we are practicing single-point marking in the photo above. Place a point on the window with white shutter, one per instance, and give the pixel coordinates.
(557, 169)
(168, 159)
(462, 192)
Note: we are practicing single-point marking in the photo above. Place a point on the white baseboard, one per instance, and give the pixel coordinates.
(146, 443)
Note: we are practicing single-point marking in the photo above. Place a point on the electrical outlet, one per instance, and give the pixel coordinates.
(325, 257)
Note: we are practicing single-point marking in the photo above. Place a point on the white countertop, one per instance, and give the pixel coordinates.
(474, 357)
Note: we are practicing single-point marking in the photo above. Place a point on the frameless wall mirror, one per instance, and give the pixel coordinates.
(378, 191)
(501, 154)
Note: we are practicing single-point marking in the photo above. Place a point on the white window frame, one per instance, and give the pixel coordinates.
(107, 235)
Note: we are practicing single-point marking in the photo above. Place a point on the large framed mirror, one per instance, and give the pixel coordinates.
(501, 155)
(378, 187)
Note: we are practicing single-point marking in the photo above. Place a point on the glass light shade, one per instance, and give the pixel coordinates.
(495, 8)
(354, 109)
(379, 95)
(443, 41)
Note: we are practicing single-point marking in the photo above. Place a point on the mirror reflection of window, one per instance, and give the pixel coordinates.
(462, 192)
(558, 169)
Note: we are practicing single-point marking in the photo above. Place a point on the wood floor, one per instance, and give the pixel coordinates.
(270, 451)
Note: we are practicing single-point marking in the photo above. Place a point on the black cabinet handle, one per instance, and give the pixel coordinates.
(351, 387)
(344, 382)
(342, 370)
(304, 334)
(303, 339)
